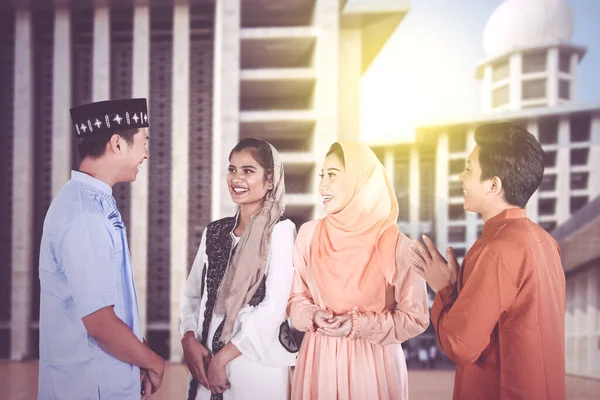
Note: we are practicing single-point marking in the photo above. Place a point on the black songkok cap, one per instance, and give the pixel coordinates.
(109, 116)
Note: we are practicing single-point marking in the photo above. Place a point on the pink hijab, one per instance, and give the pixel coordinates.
(354, 250)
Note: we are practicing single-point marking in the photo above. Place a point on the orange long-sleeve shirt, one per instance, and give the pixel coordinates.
(503, 323)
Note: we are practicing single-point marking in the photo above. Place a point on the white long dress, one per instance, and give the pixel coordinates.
(263, 370)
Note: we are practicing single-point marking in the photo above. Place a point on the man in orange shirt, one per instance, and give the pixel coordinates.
(501, 317)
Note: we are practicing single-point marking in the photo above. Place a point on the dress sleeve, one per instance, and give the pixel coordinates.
(464, 321)
(193, 300)
(301, 307)
(258, 334)
(410, 317)
(92, 265)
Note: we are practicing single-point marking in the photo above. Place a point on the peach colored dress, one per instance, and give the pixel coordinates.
(391, 309)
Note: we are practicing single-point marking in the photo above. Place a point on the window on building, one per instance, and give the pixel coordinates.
(564, 61)
(456, 212)
(546, 206)
(457, 234)
(577, 202)
(549, 159)
(579, 180)
(500, 96)
(298, 182)
(548, 183)
(533, 89)
(457, 139)
(580, 127)
(534, 62)
(455, 189)
(479, 230)
(500, 71)
(456, 166)
(564, 89)
(548, 225)
(579, 156)
(459, 252)
(548, 130)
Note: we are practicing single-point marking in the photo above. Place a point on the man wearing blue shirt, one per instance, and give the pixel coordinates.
(91, 346)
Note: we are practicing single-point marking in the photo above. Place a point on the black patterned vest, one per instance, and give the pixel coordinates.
(218, 252)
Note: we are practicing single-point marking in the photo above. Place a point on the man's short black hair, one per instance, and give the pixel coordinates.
(515, 156)
(94, 146)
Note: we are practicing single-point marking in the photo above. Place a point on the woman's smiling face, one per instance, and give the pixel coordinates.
(246, 179)
(332, 185)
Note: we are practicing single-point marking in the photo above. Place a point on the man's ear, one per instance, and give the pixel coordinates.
(114, 144)
(496, 186)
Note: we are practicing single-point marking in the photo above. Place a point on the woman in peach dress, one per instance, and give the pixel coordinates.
(353, 292)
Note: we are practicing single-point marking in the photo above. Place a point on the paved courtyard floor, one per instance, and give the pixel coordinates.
(18, 381)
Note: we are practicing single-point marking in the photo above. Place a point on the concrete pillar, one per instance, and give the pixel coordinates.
(350, 63)
(563, 175)
(471, 228)
(101, 53)
(23, 187)
(389, 162)
(414, 192)
(570, 325)
(226, 108)
(486, 89)
(581, 328)
(179, 167)
(532, 204)
(574, 73)
(516, 80)
(441, 192)
(325, 95)
(593, 344)
(139, 188)
(62, 130)
(552, 81)
(594, 157)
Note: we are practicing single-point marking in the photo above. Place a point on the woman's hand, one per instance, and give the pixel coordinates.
(340, 326)
(323, 319)
(217, 374)
(196, 357)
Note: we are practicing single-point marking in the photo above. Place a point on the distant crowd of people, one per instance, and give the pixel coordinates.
(424, 355)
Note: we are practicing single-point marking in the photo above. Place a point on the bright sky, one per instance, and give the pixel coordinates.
(426, 71)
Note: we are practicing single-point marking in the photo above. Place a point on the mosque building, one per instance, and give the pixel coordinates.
(529, 78)
(214, 71)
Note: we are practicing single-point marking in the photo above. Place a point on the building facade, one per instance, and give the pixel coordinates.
(425, 173)
(214, 71)
(529, 78)
(579, 240)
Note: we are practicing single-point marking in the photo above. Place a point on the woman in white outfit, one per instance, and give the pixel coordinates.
(236, 339)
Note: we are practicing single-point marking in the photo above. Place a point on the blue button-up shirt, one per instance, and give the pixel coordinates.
(84, 266)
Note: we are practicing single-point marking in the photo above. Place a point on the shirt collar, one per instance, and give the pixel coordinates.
(91, 181)
(501, 218)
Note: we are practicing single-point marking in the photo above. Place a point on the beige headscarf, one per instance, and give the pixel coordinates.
(249, 263)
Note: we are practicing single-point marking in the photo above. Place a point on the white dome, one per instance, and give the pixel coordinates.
(517, 24)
